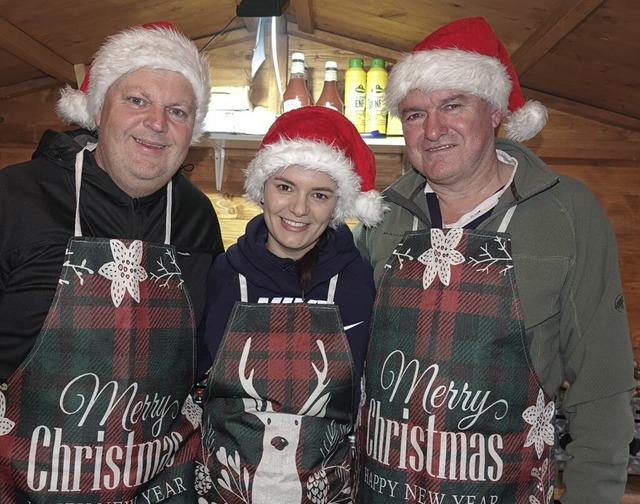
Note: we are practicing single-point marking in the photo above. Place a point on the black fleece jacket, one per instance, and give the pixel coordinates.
(37, 211)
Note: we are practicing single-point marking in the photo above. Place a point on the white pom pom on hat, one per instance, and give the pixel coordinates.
(466, 55)
(157, 45)
(318, 138)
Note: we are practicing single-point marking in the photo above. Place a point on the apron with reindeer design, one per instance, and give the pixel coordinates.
(100, 411)
(453, 410)
(278, 407)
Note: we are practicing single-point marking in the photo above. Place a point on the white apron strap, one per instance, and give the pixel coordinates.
(79, 163)
(244, 293)
(332, 289)
(167, 227)
(506, 219)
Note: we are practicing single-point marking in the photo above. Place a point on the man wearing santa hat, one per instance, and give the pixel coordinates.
(498, 281)
(104, 247)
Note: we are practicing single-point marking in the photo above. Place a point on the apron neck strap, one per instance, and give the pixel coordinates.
(167, 225)
(79, 163)
(78, 172)
(244, 293)
(506, 219)
(332, 289)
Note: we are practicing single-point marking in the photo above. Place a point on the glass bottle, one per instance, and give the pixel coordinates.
(306, 82)
(296, 95)
(330, 97)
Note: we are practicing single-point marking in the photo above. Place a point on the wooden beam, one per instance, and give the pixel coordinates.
(35, 54)
(27, 87)
(562, 19)
(304, 15)
(345, 43)
(225, 39)
(251, 24)
(583, 110)
(80, 70)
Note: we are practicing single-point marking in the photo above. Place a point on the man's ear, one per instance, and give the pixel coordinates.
(97, 118)
(496, 117)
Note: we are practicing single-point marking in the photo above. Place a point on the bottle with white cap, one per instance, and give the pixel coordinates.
(296, 94)
(330, 97)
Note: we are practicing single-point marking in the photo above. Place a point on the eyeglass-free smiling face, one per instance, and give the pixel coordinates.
(145, 129)
(298, 206)
(450, 136)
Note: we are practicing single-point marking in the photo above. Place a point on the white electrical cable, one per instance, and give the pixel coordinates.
(274, 55)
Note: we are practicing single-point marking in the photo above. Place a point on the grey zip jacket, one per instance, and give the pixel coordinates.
(566, 266)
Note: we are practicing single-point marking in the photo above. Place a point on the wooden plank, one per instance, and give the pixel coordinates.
(28, 87)
(225, 39)
(80, 70)
(567, 136)
(346, 44)
(251, 24)
(583, 110)
(566, 15)
(34, 53)
(304, 15)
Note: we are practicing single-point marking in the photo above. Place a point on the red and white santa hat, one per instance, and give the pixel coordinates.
(319, 138)
(157, 45)
(466, 55)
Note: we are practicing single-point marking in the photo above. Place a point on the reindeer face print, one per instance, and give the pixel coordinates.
(276, 478)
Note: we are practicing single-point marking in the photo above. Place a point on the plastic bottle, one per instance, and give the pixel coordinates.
(376, 112)
(394, 126)
(296, 95)
(355, 89)
(330, 97)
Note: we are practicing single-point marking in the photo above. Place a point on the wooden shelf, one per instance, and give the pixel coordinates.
(220, 142)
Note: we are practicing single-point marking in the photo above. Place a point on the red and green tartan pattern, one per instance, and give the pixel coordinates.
(101, 392)
(464, 338)
(282, 344)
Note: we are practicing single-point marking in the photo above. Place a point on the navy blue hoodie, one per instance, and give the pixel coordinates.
(275, 278)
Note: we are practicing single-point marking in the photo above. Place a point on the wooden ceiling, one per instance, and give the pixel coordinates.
(577, 56)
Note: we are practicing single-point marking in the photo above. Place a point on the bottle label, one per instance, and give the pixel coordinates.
(355, 102)
(331, 74)
(376, 112)
(331, 106)
(291, 104)
(297, 67)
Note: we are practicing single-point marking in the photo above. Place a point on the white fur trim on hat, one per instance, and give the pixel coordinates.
(527, 121)
(370, 208)
(73, 107)
(310, 155)
(140, 47)
(466, 71)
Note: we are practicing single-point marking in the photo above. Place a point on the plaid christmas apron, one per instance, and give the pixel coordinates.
(453, 411)
(100, 410)
(278, 408)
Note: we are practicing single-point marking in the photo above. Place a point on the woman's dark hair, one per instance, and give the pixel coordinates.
(306, 266)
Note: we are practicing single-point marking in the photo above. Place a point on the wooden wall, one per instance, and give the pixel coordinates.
(606, 158)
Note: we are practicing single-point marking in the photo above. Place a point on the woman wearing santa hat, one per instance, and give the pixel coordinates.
(287, 320)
